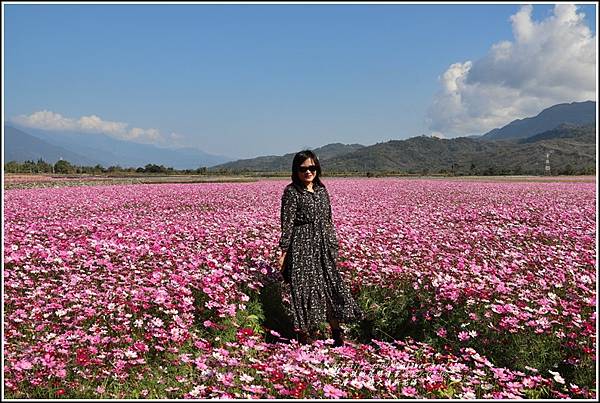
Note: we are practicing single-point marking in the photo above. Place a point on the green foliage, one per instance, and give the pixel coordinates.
(390, 317)
(28, 167)
(583, 373)
(253, 316)
(517, 351)
(388, 314)
(153, 168)
(64, 167)
(541, 392)
(226, 328)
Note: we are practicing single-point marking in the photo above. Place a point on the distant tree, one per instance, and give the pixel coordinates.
(63, 167)
(491, 171)
(152, 168)
(517, 170)
(453, 168)
(29, 167)
(588, 170)
(12, 167)
(43, 166)
(114, 168)
(567, 170)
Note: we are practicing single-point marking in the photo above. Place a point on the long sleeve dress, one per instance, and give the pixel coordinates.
(317, 290)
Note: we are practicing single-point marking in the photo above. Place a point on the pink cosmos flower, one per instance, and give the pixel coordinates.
(333, 392)
(24, 364)
(409, 391)
(121, 256)
(463, 336)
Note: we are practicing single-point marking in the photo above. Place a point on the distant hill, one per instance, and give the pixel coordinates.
(20, 146)
(416, 153)
(572, 147)
(110, 151)
(567, 131)
(564, 131)
(274, 163)
(575, 113)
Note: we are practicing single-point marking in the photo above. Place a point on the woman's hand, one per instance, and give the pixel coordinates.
(281, 259)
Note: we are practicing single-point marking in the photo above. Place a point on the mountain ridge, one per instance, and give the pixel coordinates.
(283, 162)
(578, 113)
(511, 148)
(471, 154)
(21, 146)
(574, 146)
(109, 151)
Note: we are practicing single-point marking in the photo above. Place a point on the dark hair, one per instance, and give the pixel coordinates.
(299, 158)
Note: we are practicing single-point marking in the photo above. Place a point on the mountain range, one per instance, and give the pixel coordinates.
(575, 113)
(90, 149)
(566, 131)
(21, 146)
(568, 145)
(280, 163)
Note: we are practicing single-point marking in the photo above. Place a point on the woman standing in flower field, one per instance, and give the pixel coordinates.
(309, 253)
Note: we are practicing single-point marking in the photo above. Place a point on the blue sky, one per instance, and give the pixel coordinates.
(250, 80)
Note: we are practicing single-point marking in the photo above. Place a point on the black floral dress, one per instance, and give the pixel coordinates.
(317, 290)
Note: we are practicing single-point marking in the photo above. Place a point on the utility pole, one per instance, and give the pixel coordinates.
(547, 169)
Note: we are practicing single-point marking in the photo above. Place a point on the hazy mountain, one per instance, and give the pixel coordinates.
(284, 163)
(576, 113)
(110, 151)
(20, 146)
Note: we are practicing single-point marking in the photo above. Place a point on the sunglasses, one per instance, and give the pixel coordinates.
(312, 168)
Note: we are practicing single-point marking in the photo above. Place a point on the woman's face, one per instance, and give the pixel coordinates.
(305, 174)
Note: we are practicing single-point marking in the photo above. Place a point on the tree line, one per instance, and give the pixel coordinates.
(65, 167)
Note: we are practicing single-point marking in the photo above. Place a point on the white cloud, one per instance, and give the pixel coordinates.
(175, 137)
(48, 120)
(549, 62)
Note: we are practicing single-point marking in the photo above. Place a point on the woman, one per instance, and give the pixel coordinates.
(309, 252)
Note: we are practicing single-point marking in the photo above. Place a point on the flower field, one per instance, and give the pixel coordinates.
(471, 289)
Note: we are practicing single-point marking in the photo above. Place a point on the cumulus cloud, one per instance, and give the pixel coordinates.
(48, 120)
(548, 62)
